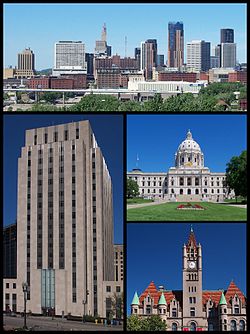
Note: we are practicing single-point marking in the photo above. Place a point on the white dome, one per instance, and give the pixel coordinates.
(189, 144)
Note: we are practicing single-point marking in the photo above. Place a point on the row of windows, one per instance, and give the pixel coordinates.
(117, 288)
(55, 136)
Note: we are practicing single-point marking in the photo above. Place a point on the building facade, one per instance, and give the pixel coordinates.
(227, 35)
(148, 57)
(69, 58)
(9, 251)
(228, 54)
(26, 64)
(198, 55)
(192, 308)
(175, 44)
(189, 180)
(65, 222)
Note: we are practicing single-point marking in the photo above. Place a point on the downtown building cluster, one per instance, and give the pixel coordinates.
(76, 69)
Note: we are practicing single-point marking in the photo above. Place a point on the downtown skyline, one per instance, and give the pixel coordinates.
(128, 17)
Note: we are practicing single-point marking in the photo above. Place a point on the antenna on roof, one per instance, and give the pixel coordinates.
(137, 159)
(191, 228)
(126, 46)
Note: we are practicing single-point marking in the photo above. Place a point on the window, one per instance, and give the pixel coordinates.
(148, 309)
(174, 326)
(242, 325)
(55, 136)
(45, 138)
(189, 181)
(193, 326)
(108, 288)
(181, 181)
(14, 286)
(189, 191)
(196, 181)
(210, 327)
(35, 139)
(7, 285)
(236, 309)
(174, 312)
(77, 133)
(118, 289)
(65, 134)
(233, 325)
(192, 311)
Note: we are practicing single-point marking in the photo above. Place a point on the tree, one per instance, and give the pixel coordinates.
(236, 174)
(153, 323)
(134, 323)
(132, 188)
(155, 104)
(117, 306)
(97, 103)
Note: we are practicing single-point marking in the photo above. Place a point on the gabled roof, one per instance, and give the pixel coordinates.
(232, 290)
(214, 295)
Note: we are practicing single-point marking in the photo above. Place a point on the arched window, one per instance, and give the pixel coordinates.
(181, 191)
(197, 191)
(242, 325)
(189, 191)
(181, 181)
(193, 326)
(233, 325)
(174, 326)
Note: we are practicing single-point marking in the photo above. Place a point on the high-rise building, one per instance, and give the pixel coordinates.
(148, 57)
(198, 55)
(119, 264)
(69, 58)
(65, 248)
(227, 35)
(217, 53)
(9, 251)
(160, 60)
(192, 308)
(101, 46)
(228, 54)
(89, 58)
(214, 61)
(175, 44)
(26, 64)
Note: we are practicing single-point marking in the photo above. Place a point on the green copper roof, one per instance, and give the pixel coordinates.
(135, 300)
(162, 300)
(222, 300)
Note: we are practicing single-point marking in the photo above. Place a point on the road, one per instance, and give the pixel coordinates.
(40, 323)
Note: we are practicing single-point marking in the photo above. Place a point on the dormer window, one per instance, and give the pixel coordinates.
(236, 309)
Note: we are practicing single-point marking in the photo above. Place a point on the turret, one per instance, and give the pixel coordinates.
(162, 307)
(222, 308)
(135, 304)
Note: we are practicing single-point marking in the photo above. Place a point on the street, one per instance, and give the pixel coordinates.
(40, 323)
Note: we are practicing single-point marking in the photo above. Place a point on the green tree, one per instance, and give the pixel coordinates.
(51, 97)
(117, 306)
(154, 104)
(236, 174)
(134, 323)
(130, 106)
(132, 188)
(97, 103)
(153, 323)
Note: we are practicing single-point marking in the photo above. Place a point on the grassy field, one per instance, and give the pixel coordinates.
(168, 212)
(138, 200)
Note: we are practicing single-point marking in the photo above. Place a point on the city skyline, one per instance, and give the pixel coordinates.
(161, 135)
(112, 152)
(18, 18)
(154, 253)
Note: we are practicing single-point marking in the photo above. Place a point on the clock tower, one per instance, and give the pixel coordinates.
(192, 284)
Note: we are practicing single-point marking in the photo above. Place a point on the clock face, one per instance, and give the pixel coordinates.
(191, 265)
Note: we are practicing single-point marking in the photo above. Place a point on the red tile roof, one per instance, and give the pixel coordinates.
(177, 294)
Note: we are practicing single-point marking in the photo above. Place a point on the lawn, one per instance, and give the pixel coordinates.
(138, 200)
(168, 212)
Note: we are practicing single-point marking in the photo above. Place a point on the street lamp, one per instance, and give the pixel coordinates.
(85, 301)
(25, 291)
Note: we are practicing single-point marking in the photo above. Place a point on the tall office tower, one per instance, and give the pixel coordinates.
(101, 46)
(89, 58)
(175, 44)
(228, 54)
(138, 56)
(198, 55)
(217, 53)
(148, 57)
(65, 221)
(26, 64)
(227, 36)
(69, 58)
(9, 251)
(160, 60)
(118, 257)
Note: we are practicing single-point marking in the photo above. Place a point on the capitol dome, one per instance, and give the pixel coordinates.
(189, 154)
(189, 144)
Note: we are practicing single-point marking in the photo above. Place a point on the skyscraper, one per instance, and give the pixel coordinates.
(175, 44)
(148, 57)
(65, 248)
(198, 55)
(227, 35)
(69, 58)
(26, 64)
(228, 54)
(101, 46)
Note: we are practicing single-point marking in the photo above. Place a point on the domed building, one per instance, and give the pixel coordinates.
(188, 181)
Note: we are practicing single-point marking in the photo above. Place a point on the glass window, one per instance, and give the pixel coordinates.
(193, 326)
(233, 325)
(192, 312)
(174, 327)
(108, 288)
(242, 325)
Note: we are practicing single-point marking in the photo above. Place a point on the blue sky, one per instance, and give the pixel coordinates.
(108, 132)
(39, 26)
(155, 138)
(154, 253)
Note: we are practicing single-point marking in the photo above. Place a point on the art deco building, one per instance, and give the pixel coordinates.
(189, 180)
(65, 248)
(175, 44)
(26, 64)
(193, 308)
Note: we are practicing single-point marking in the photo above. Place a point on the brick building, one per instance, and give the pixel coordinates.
(177, 76)
(238, 76)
